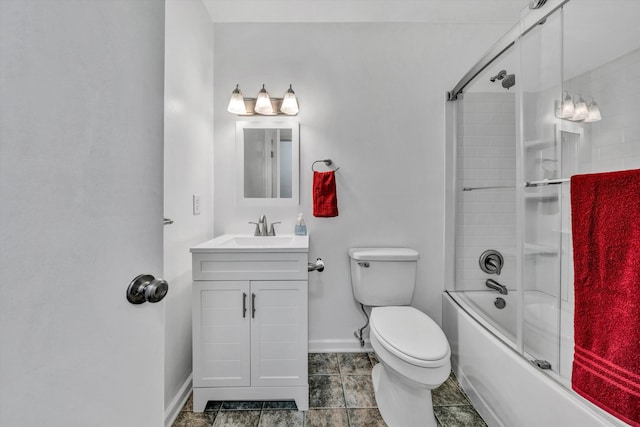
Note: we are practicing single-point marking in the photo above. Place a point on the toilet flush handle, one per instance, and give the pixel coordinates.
(363, 264)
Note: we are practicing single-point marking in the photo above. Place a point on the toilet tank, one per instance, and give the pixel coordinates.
(383, 276)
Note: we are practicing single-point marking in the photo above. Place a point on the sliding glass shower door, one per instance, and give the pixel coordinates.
(579, 109)
(541, 207)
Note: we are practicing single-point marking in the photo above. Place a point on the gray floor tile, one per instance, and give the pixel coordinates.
(285, 404)
(323, 364)
(458, 416)
(354, 364)
(191, 419)
(237, 419)
(358, 391)
(326, 418)
(340, 394)
(281, 418)
(365, 418)
(449, 394)
(233, 405)
(325, 391)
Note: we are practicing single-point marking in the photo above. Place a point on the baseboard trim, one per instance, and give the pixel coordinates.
(339, 346)
(172, 412)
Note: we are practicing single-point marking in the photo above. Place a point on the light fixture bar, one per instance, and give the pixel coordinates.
(264, 104)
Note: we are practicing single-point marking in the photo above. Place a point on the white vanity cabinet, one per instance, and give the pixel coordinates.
(250, 324)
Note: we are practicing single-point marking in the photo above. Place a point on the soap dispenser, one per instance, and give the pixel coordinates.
(301, 227)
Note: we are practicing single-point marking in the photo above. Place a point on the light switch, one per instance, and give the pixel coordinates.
(196, 204)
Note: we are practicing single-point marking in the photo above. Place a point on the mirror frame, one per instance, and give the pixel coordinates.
(267, 123)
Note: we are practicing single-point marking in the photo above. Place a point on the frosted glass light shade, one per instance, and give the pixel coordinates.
(289, 103)
(568, 109)
(581, 112)
(594, 112)
(236, 103)
(263, 103)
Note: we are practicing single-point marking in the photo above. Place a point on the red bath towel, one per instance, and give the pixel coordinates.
(605, 210)
(325, 198)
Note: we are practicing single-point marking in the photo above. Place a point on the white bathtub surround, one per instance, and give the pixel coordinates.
(505, 388)
(540, 324)
(486, 156)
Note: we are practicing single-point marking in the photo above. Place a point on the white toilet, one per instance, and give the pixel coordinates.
(413, 351)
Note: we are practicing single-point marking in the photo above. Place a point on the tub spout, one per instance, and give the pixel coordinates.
(490, 283)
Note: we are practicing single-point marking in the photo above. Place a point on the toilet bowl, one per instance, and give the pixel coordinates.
(413, 351)
(414, 359)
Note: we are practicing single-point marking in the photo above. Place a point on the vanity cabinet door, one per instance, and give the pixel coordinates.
(221, 333)
(279, 333)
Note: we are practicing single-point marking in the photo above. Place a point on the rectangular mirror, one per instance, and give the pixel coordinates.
(267, 162)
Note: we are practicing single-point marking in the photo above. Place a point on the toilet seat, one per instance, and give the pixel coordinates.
(410, 335)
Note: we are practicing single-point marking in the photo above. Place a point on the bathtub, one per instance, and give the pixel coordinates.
(503, 385)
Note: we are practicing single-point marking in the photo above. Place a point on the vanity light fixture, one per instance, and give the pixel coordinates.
(236, 103)
(263, 102)
(568, 109)
(290, 102)
(594, 112)
(581, 112)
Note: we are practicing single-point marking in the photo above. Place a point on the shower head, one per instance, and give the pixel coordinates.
(499, 76)
(509, 81)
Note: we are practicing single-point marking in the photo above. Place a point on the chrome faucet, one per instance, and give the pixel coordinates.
(490, 283)
(263, 224)
(262, 227)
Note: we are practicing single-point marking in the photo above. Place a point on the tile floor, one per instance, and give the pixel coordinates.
(340, 394)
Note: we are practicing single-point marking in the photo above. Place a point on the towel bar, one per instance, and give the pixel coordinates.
(327, 162)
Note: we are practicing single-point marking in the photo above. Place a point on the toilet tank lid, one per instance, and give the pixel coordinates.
(383, 254)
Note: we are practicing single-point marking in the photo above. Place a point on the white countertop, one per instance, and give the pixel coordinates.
(251, 243)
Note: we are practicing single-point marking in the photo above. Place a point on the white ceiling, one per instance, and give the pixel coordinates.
(431, 11)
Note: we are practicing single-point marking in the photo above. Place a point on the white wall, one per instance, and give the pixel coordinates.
(188, 163)
(371, 98)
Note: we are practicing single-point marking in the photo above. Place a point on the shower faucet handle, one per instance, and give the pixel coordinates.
(491, 262)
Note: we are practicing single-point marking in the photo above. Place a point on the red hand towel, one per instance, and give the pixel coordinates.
(325, 198)
(605, 210)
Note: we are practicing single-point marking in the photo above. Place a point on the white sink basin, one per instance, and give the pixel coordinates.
(249, 242)
(258, 241)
